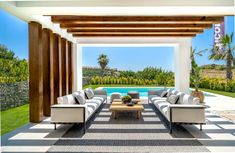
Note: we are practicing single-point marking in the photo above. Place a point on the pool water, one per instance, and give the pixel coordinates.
(143, 91)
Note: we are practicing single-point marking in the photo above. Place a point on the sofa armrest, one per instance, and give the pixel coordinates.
(100, 92)
(187, 106)
(69, 113)
(68, 106)
(187, 113)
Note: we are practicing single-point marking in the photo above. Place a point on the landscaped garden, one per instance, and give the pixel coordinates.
(13, 91)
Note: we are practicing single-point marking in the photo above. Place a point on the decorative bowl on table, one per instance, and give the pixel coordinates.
(126, 99)
(130, 103)
(135, 102)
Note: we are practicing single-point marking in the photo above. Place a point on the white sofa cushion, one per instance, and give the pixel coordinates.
(187, 99)
(98, 98)
(95, 102)
(157, 98)
(68, 99)
(90, 110)
(162, 105)
(159, 102)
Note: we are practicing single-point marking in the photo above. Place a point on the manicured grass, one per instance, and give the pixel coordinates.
(14, 118)
(224, 93)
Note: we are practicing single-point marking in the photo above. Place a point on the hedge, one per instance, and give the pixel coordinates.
(218, 84)
(207, 83)
(130, 80)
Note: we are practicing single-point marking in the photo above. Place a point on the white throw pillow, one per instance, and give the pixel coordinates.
(67, 99)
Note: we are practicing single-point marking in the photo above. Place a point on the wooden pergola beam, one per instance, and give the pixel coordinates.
(134, 35)
(137, 25)
(75, 31)
(47, 44)
(199, 19)
(35, 72)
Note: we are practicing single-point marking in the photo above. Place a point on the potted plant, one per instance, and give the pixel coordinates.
(196, 80)
(126, 99)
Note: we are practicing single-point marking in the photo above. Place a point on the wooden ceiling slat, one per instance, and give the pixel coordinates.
(69, 18)
(114, 33)
(134, 26)
(134, 30)
(134, 35)
(90, 25)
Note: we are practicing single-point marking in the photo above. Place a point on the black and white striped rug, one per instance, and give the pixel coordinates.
(127, 134)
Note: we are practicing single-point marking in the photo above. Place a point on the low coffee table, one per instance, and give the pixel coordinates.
(117, 106)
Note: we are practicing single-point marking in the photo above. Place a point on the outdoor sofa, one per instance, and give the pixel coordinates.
(185, 110)
(69, 110)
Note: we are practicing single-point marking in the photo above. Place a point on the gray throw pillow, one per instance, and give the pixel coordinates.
(172, 99)
(163, 94)
(92, 92)
(79, 98)
(89, 93)
(169, 93)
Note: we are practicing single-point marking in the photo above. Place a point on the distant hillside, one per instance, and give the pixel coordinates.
(215, 67)
(215, 71)
(96, 71)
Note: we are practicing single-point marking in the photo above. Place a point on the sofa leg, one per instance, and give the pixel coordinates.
(170, 128)
(55, 126)
(84, 128)
(200, 127)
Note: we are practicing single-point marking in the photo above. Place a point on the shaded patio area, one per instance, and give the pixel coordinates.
(126, 134)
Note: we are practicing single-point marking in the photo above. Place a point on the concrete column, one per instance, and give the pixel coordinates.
(77, 66)
(182, 65)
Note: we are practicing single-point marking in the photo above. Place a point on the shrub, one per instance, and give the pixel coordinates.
(218, 84)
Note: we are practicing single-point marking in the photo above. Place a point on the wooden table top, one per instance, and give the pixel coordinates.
(118, 105)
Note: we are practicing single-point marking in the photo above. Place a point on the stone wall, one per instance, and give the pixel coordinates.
(85, 81)
(13, 94)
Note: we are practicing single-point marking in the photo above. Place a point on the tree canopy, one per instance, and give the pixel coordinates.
(12, 69)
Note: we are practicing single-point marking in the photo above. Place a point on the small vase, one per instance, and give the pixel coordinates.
(198, 94)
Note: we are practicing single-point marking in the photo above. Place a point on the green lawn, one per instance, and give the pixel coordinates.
(224, 93)
(14, 118)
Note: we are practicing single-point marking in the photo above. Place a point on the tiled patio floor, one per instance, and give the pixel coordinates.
(218, 134)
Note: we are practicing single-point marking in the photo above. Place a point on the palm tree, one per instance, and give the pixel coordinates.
(192, 57)
(227, 55)
(103, 61)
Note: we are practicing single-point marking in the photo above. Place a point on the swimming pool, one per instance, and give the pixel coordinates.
(143, 91)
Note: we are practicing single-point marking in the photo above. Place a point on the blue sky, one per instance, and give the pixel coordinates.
(14, 34)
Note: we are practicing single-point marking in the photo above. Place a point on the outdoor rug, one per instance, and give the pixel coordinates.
(127, 134)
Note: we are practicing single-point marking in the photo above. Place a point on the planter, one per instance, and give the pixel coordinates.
(198, 94)
(126, 99)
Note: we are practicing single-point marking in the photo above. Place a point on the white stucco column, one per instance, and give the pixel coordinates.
(182, 65)
(77, 65)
